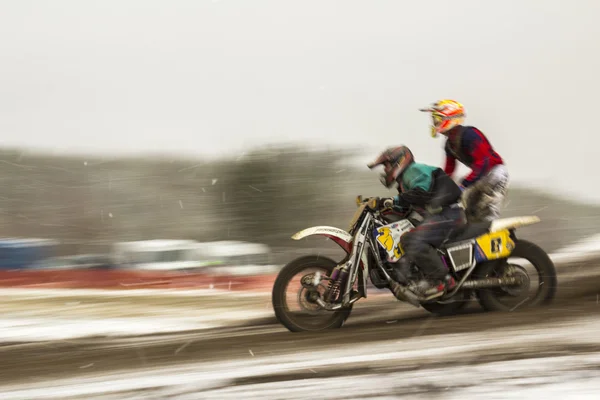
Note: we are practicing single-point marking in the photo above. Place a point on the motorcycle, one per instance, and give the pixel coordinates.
(477, 256)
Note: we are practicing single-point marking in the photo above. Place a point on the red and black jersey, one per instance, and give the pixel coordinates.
(469, 145)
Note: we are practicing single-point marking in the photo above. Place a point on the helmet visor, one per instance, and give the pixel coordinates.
(436, 120)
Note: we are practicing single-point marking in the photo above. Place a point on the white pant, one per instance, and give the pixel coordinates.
(483, 199)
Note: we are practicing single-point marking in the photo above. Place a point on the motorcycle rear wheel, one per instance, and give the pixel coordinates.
(490, 299)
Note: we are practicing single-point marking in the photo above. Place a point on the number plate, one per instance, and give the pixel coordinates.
(496, 245)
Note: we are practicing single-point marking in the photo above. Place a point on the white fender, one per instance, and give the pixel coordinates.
(514, 222)
(341, 237)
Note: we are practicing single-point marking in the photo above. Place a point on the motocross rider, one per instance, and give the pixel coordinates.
(434, 195)
(486, 186)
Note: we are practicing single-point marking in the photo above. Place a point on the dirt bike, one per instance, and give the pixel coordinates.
(476, 254)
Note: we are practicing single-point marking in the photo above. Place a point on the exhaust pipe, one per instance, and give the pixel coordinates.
(491, 282)
(403, 294)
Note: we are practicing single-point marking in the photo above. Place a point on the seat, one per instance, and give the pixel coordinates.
(469, 231)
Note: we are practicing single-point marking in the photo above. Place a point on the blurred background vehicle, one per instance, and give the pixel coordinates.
(21, 253)
(80, 261)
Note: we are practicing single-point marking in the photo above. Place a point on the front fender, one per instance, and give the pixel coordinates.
(341, 237)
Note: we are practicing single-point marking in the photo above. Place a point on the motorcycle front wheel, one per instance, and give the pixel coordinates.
(311, 317)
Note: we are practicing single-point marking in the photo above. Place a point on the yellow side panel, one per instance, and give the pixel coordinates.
(496, 245)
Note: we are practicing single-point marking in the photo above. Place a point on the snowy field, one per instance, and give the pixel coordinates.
(59, 314)
(184, 344)
(508, 363)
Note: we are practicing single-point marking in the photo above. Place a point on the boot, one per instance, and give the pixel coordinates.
(437, 280)
(449, 283)
(433, 287)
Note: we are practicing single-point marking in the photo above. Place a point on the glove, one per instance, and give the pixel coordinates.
(368, 200)
(387, 202)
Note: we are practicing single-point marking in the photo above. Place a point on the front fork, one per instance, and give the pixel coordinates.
(344, 276)
(340, 277)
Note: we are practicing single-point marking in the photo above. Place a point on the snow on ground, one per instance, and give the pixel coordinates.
(579, 251)
(59, 314)
(47, 293)
(444, 366)
(41, 329)
(560, 378)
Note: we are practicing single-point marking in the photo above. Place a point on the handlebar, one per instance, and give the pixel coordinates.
(372, 202)
(375, 204)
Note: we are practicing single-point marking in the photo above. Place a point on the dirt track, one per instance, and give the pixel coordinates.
(371, 321)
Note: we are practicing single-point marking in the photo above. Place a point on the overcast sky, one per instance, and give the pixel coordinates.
(208, 77)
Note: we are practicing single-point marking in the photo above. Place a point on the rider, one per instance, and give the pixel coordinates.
(488, 181)
(434, 195)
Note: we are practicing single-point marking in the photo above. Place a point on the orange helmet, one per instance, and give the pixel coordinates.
(445, 115)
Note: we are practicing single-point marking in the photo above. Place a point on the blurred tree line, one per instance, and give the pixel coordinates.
(264, 196)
